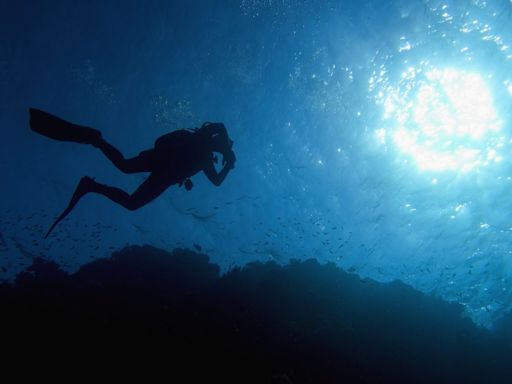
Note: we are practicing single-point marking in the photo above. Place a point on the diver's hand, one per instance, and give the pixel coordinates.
(228, 159)
(229, 164)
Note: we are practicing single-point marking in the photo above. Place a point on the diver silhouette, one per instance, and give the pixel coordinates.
(175, 157)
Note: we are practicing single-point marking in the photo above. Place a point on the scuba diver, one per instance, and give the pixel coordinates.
(175, 157)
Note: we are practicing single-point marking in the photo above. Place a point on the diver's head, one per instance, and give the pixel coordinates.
(216, 135)
(223, 145)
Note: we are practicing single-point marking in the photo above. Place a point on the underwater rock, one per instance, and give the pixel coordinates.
(264, 323)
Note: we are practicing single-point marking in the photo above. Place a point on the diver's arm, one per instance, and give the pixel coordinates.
(213, 176)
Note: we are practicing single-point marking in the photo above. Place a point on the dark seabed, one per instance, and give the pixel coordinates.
(173, 314)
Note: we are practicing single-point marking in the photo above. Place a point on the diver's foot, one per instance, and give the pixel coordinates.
(86, 135)
(93, 137)
(84, 186)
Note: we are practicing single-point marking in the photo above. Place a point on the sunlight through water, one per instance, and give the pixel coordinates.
(443, 119)
(442, 132)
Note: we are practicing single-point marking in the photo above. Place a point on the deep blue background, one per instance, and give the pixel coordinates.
(290, 79)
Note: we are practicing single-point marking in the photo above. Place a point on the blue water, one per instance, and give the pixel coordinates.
(302, 87)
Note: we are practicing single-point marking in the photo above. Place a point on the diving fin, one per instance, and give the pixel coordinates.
(83, 187)
(58, 129)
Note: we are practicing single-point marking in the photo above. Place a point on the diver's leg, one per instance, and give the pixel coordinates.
(149, 190)
(134, 165)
